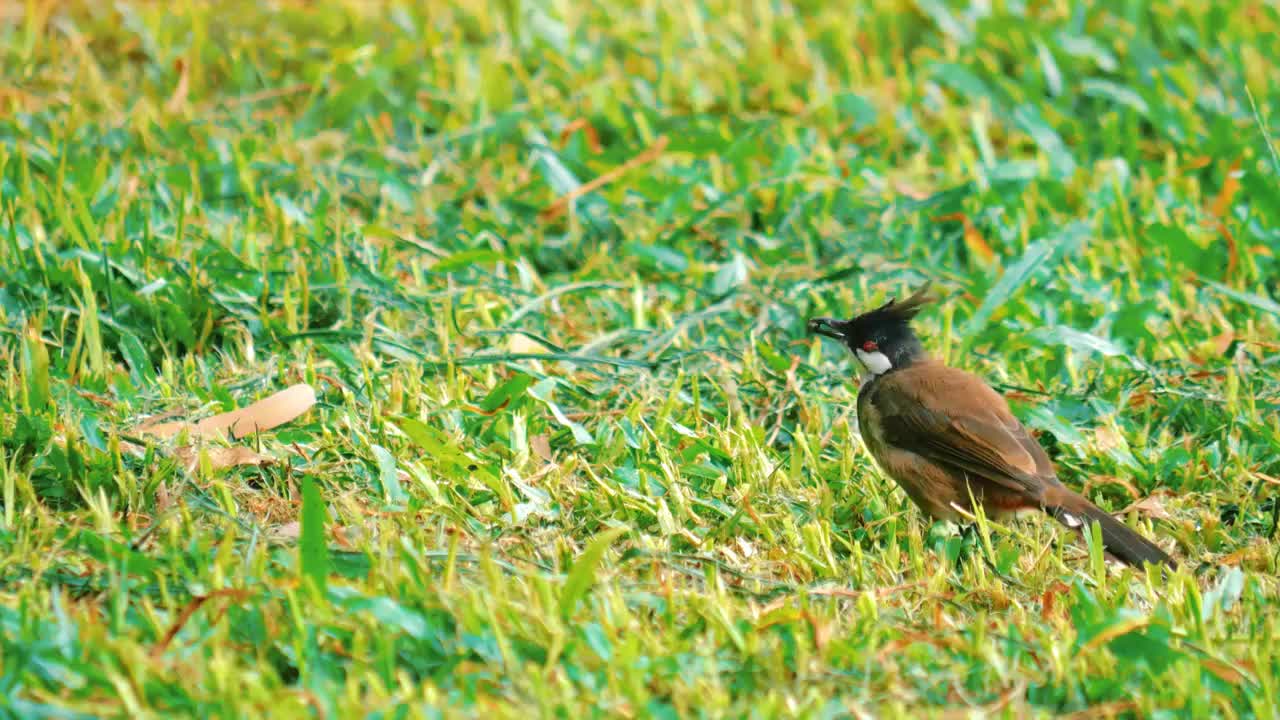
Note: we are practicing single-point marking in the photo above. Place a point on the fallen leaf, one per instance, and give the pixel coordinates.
(1141, 399)
(1049, 600)
(518, 343)
(1118, 708)
(904, 187)
(274, 411)
(1223, 341)
(1226, 672)
(821, 631)
(1023, 397)
(267, 413)
(1123, 627)
(1267, 478)
(349, 536)
(1112, 480)
(345, 536)
(1215, 347)
(190, 609)
(96, 399)
(1230, 186)
(287, 531)
(221, 458)
(541, 447)
(1107, 438)
(1221, 208)
(1151, 506)
(164, 499)
(1233, 559)
(973, 239)
(179, 96)
(488, 413)
(593, 137)
(155, 421)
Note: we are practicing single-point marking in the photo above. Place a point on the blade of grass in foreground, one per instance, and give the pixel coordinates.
(312, 550)
(583, 573)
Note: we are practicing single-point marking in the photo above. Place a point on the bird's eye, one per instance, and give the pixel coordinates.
(870, 346)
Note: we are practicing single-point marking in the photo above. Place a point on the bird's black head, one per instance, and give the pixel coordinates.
(881, 339)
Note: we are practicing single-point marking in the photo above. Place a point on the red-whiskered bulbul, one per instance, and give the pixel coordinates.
(942, 433)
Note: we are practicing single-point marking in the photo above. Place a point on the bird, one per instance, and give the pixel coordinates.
(944, 435)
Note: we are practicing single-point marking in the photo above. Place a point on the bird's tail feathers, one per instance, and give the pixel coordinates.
(1119, 539)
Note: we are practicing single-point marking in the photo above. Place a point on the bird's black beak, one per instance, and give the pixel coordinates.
(830, 327)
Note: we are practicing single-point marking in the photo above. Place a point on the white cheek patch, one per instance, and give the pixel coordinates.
(877, 362)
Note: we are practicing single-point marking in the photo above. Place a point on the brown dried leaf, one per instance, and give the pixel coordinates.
(155, 421)
(973, 239)
(1227, 672)
(164, 499)
(1107, 438)
(1122, 627)
(1267, 478)
(171, 429)
(1097, 480)
(1221, 208)
(1214, 347)
(541, 447)
(821, 630)
(1049, 600)
(520, 343)
(1222, 342)
(274, 411)
(1230, 186)
(179, 96)
(1141, 399)
(488, 413)
(287, 531)
(904, 187)
(267, 413)
(346, 536)
(593, 137)
(221, 458)
(1234, 559)
(1151, 506)
(196, 603)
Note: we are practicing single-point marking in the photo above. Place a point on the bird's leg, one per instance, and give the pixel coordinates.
(971, 537)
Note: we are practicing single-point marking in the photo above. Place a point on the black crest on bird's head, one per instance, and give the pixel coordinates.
(886, 329)
(895, 312)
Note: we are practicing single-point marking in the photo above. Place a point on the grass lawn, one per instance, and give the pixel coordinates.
(546, 267)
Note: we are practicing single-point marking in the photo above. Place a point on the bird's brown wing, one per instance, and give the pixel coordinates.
(954, 418)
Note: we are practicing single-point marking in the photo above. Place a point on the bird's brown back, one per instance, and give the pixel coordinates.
(953, 417)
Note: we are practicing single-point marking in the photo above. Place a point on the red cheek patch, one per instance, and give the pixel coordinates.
(870, 346)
